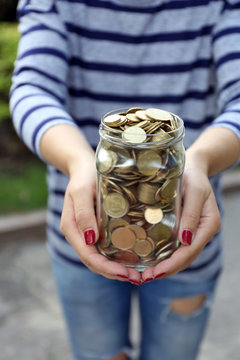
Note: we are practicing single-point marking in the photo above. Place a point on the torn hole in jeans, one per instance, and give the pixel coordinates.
(188, 305)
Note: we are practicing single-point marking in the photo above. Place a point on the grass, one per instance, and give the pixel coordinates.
(8, 49)
(24, 191)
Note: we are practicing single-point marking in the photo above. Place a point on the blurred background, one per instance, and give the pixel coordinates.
(22, 180)
(31, 326)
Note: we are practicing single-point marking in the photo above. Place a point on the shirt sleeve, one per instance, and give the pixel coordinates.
(39, 82)
(226, 55)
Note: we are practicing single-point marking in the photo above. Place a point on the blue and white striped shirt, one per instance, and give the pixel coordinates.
(78, 59)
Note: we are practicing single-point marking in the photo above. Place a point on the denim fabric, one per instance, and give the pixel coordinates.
(97, 313)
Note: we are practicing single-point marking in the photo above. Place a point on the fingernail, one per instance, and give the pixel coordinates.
(135, 282)
(159, 275)
(89, 236)
(147, 280)
(187, 237)
(122, 276)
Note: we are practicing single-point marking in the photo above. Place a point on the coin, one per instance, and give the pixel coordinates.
(106, 160)
(165, 255)
(138, 184)
(153, 215)
(148, 162)
(123, 238)
(169, 188)
(159, 232)
(132, 118)
(158, 114)
(146, 193)
(115, 205)
(126, 257)
(143, 247)
(115, 223)
(134, 135)
(139, 232)
(160, 136)
(112, 120)
(134, 109)
(141, 114)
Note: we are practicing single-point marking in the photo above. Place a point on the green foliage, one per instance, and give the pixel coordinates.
(8, 48)
(23, 191)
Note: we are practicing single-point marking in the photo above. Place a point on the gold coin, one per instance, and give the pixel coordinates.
(160, 244)
(134, 109)
(143, 124)
(140, 222)
(142, 247)
(146, 193)
(164, 255)
(169, 189)
(106, 160)
(134, 135)
(151, 241)
(139, 232)
(132, 118)
(115, 205)
(115, 223)
(112, 120)
(148, 162)
(159, 232)
(160, 175)
(141, 114)
(153, 215)
(130, 195)
(160, 136)
(123, 238)
(110, 250)
(158, 114)
(165, 247)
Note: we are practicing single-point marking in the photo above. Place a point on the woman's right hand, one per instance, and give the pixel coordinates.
(79, 225)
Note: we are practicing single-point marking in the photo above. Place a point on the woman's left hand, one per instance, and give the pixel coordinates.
(200, 221)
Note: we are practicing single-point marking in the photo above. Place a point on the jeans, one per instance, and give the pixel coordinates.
(97, 312)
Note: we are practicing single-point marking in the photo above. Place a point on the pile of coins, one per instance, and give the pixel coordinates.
(139, 178)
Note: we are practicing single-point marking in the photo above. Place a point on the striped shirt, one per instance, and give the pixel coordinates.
(78, 59)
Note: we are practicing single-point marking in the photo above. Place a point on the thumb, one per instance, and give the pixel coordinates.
(193, 202)
(83, 204)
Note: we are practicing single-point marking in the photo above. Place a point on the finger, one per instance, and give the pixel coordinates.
(193, 200)
(89, 254)
(209, 225)
(210, 221)
(82, 197)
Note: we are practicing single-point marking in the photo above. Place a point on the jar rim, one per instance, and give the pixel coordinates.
(176, 135)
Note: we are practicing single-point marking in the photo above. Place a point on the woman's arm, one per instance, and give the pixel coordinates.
(215, 150)
(66, 148)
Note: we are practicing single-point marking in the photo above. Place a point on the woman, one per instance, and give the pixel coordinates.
(79, 59)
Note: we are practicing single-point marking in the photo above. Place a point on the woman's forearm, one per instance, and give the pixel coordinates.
(215, 150)
(65, 147)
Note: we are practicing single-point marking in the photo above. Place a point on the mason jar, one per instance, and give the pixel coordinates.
(140, 161)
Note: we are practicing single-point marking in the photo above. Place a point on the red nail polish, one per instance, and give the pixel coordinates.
(187, 237)
(147, 280)
(89, 236)
(158, 276)
(135, 282)
(122, 276)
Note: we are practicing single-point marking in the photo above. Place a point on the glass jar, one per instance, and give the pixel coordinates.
(140, 161)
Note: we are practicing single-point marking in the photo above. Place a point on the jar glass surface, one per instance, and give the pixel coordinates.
(139, 191)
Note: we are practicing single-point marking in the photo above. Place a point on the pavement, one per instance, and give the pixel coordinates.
(31, 325)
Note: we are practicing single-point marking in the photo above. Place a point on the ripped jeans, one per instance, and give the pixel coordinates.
(97, 312)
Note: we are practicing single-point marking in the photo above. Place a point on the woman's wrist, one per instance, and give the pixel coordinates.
(196, 159)
(214, 151)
